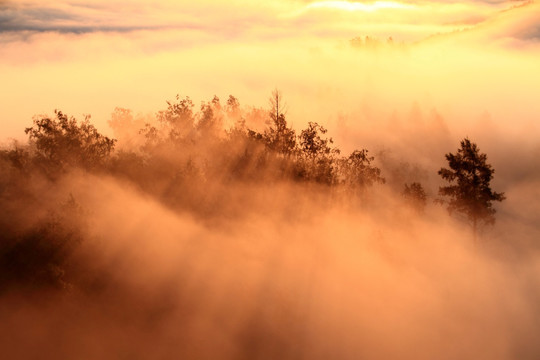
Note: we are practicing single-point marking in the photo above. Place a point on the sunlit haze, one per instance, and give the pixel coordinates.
(193, 216)
(360, 6)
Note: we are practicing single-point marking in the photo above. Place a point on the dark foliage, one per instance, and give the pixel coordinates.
(470, 192)
(279, 137)
(357, 172)
(62, 141)
(39, 256)
(416, 196)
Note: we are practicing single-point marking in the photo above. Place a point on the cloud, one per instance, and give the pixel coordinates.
(240, 16)
(71, 18)
(64, 16)
(515, 26)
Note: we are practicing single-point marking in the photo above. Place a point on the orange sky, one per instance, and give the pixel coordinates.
(465, 59)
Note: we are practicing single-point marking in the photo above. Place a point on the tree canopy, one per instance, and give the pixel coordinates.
(470, 192)
(415, 196)
(279, 136)
(62, 141)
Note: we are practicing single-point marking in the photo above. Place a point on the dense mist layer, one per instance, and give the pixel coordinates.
(332, 283)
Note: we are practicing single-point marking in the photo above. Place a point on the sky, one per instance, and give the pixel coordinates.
(465, 60)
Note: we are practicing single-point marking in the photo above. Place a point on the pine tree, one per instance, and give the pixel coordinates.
(470, 193)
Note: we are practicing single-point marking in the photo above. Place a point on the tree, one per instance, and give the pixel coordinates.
(312, 144)
(470, 193)
(357, 171)
(279, 137)
(178, 118)
(210, 119)
(62, 141)
(415, 196)
(39, 256)
(233, 105)
(316, 155)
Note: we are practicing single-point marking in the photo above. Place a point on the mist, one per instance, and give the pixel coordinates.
(178, 221)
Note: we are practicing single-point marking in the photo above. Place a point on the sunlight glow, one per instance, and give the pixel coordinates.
(356, 6)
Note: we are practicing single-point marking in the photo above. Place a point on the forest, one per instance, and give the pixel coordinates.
(150, 225)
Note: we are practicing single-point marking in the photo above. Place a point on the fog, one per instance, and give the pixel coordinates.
(191, 237)
(306, 279)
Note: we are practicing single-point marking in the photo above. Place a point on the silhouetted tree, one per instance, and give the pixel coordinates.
(178, 118)
(316, 155)
(209, 119)
(233, 105)
(18, 157)
(279, 137)
(357, 171)
(415, 195)
(61, 141)
(470, 193)
(312, 145)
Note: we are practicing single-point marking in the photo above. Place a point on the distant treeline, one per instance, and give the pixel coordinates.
(186, 145)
